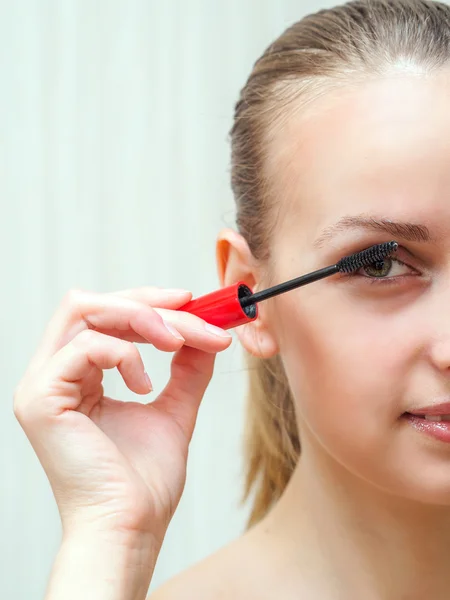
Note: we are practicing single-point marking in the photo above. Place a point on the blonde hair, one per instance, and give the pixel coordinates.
(356, 39)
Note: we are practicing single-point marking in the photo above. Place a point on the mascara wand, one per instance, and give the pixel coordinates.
(236, 304)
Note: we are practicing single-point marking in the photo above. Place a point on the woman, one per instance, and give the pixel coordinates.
(340, 141)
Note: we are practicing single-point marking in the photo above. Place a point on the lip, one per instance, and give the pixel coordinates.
(436, 409)
(440, 430)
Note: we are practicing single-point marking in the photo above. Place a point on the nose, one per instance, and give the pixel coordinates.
(440, 353)
(440, 345)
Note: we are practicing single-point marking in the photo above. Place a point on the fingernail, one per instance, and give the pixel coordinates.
(147, 379)
(173, 331)
(217, 331)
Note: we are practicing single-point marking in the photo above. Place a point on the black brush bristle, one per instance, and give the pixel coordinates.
(368, 257)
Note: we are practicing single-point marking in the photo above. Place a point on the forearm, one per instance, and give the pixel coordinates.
(93, 568)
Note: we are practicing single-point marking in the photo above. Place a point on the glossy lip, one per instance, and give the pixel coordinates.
(439, 430)
(436, 409)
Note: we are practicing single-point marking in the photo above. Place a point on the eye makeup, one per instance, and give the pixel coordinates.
(386, 279)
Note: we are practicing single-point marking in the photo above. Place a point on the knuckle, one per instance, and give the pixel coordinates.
(17, 410)
(19, 413)
(17, 403)
(85, 338)
(72, 298)
(154, 313)
(187, 370)
(131, 351)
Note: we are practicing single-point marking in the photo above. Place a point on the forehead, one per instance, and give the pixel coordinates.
(381, 147)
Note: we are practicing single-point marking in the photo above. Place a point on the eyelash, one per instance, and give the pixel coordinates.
(385, 280)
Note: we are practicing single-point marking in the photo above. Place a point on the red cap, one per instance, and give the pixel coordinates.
(223, 308)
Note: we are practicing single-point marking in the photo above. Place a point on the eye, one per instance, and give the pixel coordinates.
(391, 271)
(394, 267)
(383, 267)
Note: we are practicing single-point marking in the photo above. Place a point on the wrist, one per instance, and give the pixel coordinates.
(103, 566)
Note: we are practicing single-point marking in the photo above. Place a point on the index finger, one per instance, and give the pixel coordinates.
(156, 296)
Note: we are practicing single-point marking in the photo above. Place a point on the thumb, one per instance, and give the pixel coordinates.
(190, 373)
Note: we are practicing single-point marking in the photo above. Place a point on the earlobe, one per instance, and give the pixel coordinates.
(257, 338)
(235, 262)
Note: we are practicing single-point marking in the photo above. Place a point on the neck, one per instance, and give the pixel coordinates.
(347, 538)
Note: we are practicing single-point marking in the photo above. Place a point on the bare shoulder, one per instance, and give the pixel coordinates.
(228, 574)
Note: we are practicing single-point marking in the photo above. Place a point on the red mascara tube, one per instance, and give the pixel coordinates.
(223, 307)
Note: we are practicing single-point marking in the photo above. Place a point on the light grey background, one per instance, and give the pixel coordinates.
(114, 161)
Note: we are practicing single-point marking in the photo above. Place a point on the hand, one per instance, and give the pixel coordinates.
(116, 466)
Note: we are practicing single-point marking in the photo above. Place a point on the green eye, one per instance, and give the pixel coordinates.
(382, 265)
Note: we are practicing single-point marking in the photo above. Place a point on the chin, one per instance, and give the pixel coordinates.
(427, 484)
(429, 490)
(408, 473)
(422, 470)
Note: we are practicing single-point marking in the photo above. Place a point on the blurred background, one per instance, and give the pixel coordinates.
(114, 120)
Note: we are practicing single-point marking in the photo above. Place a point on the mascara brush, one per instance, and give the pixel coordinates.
(236, 304)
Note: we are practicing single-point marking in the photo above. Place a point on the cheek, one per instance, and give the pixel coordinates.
(347, 367)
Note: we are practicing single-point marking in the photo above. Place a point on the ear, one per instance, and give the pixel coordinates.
(235, 262)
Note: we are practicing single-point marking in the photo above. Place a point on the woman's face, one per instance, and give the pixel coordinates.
(360, 351)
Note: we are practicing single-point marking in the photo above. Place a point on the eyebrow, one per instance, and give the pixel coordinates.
(412, 232)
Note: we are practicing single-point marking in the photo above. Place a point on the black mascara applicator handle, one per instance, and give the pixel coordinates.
(236, 304)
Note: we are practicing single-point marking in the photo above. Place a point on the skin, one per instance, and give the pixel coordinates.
(367, 511)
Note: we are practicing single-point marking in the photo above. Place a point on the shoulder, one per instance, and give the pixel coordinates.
(224, 575)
